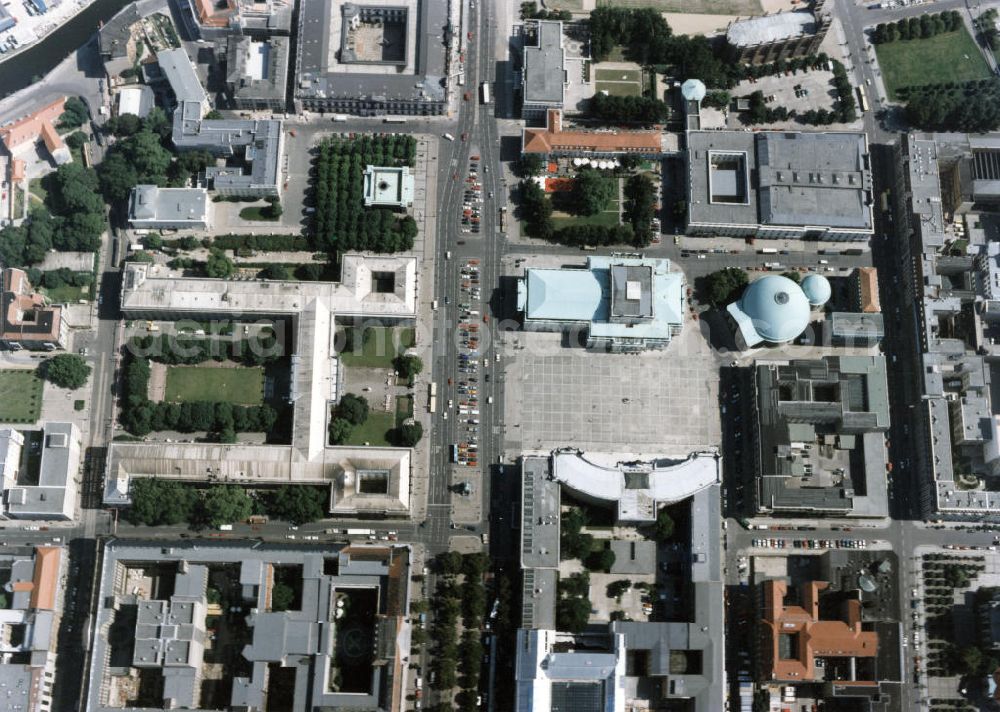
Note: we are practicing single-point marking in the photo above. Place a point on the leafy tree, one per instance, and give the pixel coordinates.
(476, 564)
(117, 177)
(530, 165)
(408, 435)
(592, 192)
(600, 560)
(282, 596)
(157, 122)
(353, 408)
(408, 366)
(725, 285)
(310, 272)
(663, 529)
(615, 109)
(74, 114)
(126, 125)
(226, 504)
(76, 139)
(794, 276)
(160, 502)
(147, 154)
(449, 563)
(640, 208)
(277, 271)
(536, 210)
(573, 543)
(65, 371)
(297, 504)
(340, 430)
(273, 209)
(218, 265)
(616, 589)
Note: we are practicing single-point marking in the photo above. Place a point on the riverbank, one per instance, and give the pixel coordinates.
(32, 29)
(20, 69)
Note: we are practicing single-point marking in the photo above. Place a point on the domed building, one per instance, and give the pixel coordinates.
(817, 289)
(693, 90)
(773, 310)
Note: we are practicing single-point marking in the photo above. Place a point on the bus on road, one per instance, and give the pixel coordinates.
(484, 91)
(862, 99)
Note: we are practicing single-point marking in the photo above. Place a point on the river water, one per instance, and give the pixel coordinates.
(39, 59)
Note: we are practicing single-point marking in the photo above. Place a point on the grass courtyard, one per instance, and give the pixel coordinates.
(375, 431)
(948, 57)
(375, 346)
(20, 396)
(609, 217)
(241, 385)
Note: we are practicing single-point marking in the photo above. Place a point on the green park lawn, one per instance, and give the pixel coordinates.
(948, 57)
(619, 88)
(66, 294)
(374, 431)
(619, 75)
(242, 385)
(608, 218)
(20, 397)
(376, 347)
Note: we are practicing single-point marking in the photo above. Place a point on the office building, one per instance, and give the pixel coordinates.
(153, 208)
(543, 76)
(819, 437)
(257, 72)
(156, 603)
(43, 486)
(374, 57)
(628, 664)
(773, 185)
(620, 303)
(254, 150)
(364, 481)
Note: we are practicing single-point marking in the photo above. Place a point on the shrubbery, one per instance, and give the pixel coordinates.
(615, 109)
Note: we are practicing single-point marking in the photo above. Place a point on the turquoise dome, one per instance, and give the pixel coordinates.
(817, 289)
(777, 308)
(693, 90)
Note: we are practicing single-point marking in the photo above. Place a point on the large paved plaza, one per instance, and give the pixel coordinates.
(662, 402)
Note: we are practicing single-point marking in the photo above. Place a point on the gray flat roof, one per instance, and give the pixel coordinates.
(152, 203)
(797, 179)
(544, 74)
(258, 69)
(539, 514)
(771, 28)
(314, 78)
(184, 82)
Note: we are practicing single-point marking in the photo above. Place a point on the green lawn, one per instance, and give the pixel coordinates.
(20, 397)
(36, 188)
(377, 347)
(619, 75)
(242, 385)
(948, 57)
(66, 294)
(374, 431)
(607, 217)
(256, 212)
(619, 88)
(404, 409)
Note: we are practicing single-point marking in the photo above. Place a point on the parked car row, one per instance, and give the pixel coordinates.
(811, 543)
(472, 200)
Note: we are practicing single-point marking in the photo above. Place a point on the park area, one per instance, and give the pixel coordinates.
(374, 346)
(239, 385)
(20, 396)
(943, 58)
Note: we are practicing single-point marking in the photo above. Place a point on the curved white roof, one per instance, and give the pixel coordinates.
(664, 480)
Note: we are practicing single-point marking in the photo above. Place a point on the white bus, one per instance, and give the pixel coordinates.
(484, 90)
(395, 119)
(862, 99)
